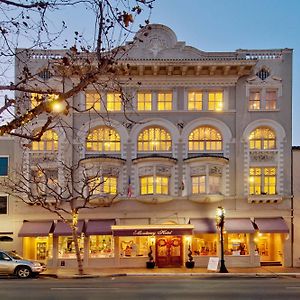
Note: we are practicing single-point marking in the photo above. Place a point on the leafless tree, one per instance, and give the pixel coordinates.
(25, 27)
(30, 24)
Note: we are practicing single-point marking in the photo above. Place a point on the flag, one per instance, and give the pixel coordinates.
(129, 190)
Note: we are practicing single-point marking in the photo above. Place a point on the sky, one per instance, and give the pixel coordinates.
(227, 25)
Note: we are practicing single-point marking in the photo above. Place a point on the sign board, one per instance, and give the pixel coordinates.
(213, 264)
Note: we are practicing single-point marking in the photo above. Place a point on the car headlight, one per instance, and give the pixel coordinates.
(36, 264)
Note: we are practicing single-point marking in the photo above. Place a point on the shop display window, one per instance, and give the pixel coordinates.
(204, 244)
(132, 246)
(236, 243)
(101, 246)
(66, 247)
(38, 248)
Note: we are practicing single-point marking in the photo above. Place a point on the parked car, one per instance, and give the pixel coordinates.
(13, 264)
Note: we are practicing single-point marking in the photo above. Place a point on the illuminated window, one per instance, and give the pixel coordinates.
(92, 101)
(195, 101)
(103, 139)
(154, 139)
(204, 244)
(236, 243)
(105, 184)
(144, 101)
(215, 101)
(134, 246)
(206, 184)
(262, 138)
(66, 247)
(48, 142)
(101, 246)
(114, 102)
(36, 98)
(150, 185)
(254, 100)
(164, 101)
(44, 182)
(271, 100)
(262, 181)
(205, 139)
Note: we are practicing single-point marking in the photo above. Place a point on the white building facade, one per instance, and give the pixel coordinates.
(211, 129)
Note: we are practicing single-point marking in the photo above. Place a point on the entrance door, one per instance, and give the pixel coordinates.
(169, 251)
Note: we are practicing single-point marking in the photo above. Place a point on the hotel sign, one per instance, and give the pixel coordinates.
(153, 232)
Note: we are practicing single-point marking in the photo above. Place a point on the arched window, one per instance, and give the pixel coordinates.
(103, 139)
(154, 139)
(205, 138)
(262, 138)
(48, 142)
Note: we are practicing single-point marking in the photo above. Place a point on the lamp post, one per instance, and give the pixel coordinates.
(220, 224)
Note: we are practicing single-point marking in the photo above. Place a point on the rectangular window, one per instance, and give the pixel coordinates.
(164, 100)
(195, 101)
(214, 183)
(198, 185)
(66, 247)
(204, 244)
(101, 246)
(215, 101)
(3, 205)
(4, 166)
(271, 100)
(144, 101)
(146, 185)
(254, 100)
(134, 246)
(107, 185)
(162, 185)
(92, 101)
(114, 102)
(262, 181)
(236, 243)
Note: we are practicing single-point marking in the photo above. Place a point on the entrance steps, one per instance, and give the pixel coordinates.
(270, 263)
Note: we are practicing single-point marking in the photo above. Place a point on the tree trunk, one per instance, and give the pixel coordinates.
(75, 239)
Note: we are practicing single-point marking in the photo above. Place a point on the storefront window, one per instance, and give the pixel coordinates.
(66, 247)
(132, 246)
(101, 246)
(38, 248)
(236, 243)
(204, 244)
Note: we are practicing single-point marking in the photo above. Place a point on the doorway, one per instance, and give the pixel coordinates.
(169, 251)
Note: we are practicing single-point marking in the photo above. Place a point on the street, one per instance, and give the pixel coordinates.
(146, 288)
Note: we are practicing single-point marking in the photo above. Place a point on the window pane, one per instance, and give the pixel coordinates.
(92, 101)
(101, 246)
(144, 101)
(113, 101)
(215, 101)
(195, 101)
(205, 138)
(164, 101)
(3, 166)
(262, 138)
(3, 205)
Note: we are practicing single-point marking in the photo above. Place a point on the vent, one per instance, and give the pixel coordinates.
(263, 74)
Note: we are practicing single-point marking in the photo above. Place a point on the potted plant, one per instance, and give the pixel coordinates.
(151, 263)
(190, 264)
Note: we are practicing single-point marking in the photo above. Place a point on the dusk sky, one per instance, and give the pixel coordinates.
(227, 25)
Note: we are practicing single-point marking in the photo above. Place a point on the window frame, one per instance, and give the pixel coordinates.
(193, 101)
(215, 104)
(143, 102)
(114, 104)
(263, 141)
(6, 207)
(104, 145)
(205, 145)
(105, 186)
(95, 104)
(164, 104)
(146, 144)
(154, 188)
(7, 167)
(261, 186)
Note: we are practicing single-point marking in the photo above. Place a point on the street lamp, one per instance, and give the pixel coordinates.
(220, 216)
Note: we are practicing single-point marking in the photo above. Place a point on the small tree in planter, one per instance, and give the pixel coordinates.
(190, 263)
(151, 263)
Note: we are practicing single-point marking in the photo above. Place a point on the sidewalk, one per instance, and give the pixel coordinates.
(202, 272)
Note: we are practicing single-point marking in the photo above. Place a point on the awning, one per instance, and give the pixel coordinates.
(271, 225)
(239, 225)
(152, 230)
(34, 228)
(63, 229)
(204, 225)
(95, 227)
